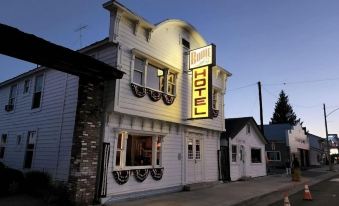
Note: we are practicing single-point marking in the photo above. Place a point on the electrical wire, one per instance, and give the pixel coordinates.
(243, 87)
(304, 82)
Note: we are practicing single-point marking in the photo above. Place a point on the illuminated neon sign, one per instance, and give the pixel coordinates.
(202, 56)
(201, 62)
(201, 95)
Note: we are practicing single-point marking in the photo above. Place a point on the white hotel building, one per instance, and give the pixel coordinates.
(149, 142)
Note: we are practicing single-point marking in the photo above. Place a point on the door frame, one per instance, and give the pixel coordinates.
(194, 136)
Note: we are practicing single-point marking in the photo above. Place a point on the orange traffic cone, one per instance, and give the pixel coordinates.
(307, 193)
(286, 200)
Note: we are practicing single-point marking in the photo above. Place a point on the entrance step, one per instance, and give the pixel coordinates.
(200, 185)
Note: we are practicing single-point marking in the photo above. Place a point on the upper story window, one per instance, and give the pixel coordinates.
(185, 43)
(154, 76)
(27, 83)
(139, 71)
(12, 95)
(37, 91)
(248, 129)
(215, 99)
(171, 83)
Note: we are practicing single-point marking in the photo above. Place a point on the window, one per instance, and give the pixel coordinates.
(215, 99)
(234, 153)
(12, 95)
(154, 77)
(255, 155)
(190, 149)
(171, 83)
(248, 129)
(197, 149)
(273, 156)
(3, 143)
(18, 139)
(26, 86)
(139, 71)
(273, 145)
(138, 150)
(30, 145)
(185, 43)
(37, 92)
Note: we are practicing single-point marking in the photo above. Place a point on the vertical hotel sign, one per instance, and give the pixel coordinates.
(201, 61)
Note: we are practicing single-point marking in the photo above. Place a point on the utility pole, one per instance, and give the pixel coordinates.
(261, 112)
(327, 142)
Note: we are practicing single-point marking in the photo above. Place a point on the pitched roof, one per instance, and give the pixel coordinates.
(314, 140)
(18, 44)
(235, 125)
(276, 131)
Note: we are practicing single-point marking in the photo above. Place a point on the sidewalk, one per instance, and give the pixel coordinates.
(252, 192)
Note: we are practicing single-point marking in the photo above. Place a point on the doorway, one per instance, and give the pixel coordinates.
(242, 163)
(194, 159)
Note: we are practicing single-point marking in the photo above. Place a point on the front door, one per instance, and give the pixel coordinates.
(242, 163)
(194, 159)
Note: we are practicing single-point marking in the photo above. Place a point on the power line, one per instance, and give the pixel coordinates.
(249, 85)
(303, 82)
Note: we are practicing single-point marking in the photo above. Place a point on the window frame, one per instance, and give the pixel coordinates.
(24, 91)
(248, 128)
(3, 145)
(12, 97)
(31, 150)
(157, 64)
(42, 75)
(273, 152)
(235, 154)
(123, 150)
(261, 159)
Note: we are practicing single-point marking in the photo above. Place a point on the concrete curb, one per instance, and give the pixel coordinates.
(276, 195)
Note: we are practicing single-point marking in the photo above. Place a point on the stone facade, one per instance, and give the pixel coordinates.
(85, 149)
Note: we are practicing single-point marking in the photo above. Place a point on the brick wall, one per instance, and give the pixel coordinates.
(85, 149)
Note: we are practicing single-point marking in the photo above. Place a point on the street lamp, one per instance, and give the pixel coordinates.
(327, 142)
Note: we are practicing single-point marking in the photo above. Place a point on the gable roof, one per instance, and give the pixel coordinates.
(276, 131)
(18, 44)
(314, 140)
(235, 125)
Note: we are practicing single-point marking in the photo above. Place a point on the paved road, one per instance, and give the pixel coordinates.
(325, 193)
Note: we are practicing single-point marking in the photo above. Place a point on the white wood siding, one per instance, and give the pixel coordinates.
(249, 141)
(165, 46)
(173, 153)
(297, 139)
(54, 122)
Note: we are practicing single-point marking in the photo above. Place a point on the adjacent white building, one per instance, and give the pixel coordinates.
(37, 121)
(246, 148)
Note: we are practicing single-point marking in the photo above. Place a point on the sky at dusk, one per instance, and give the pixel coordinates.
(290, 45)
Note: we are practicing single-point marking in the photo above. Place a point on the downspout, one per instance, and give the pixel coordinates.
(61, 126)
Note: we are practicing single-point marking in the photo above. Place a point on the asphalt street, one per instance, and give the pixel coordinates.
(323, 193)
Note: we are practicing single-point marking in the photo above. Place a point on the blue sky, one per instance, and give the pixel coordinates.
(272, 41)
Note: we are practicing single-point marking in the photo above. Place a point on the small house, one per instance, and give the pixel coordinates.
(245, 147)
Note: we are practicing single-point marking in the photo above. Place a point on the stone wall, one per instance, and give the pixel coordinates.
(85, 149)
